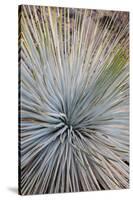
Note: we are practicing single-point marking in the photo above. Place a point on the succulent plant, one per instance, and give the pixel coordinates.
(74, 96)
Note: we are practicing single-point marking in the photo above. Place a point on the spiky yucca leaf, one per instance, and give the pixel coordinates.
(74, 100)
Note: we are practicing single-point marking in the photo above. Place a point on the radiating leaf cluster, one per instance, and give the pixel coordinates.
(74, 95)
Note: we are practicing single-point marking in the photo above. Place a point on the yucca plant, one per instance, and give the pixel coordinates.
(73, 100)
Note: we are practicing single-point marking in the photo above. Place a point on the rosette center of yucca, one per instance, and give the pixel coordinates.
(67, 121)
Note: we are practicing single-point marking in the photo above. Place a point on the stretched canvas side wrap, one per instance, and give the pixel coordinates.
(73, 100)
